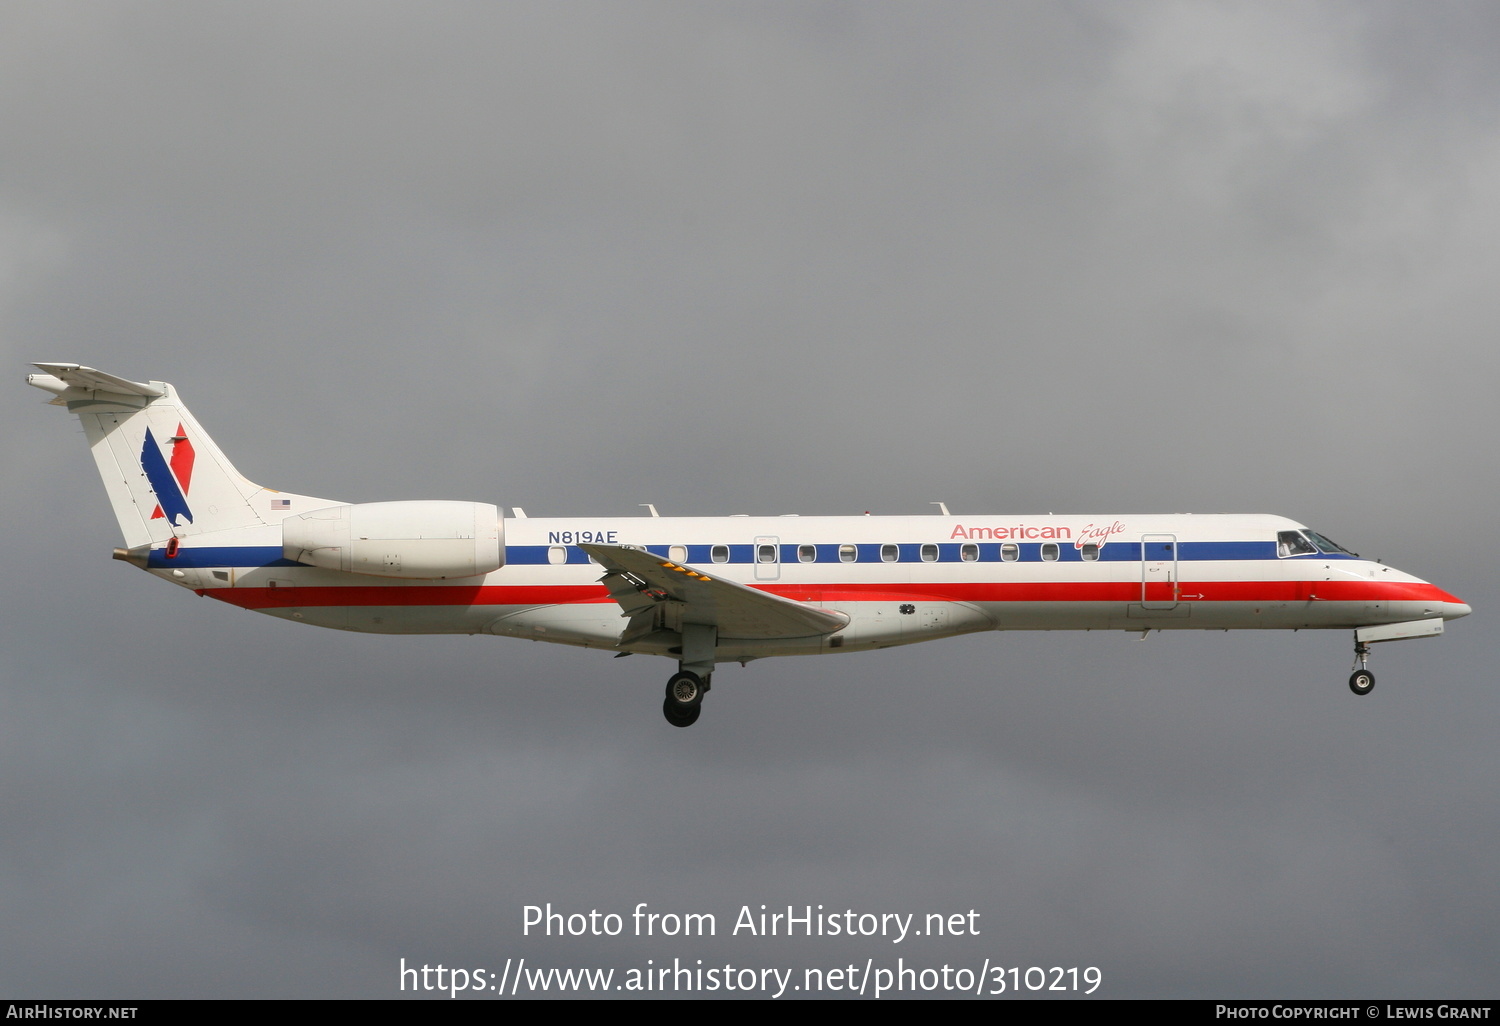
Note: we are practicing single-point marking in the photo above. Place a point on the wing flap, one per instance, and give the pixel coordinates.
(639, 581)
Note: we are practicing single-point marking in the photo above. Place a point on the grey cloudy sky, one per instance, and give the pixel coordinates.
(764, 258)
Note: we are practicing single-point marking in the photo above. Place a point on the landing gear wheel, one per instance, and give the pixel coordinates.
(685, 690)
(680, 717)
(1361, 681)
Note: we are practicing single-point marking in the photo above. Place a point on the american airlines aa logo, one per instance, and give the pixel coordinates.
(169, 481)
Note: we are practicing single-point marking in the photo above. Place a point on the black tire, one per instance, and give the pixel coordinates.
(1361, 681)
(680, 717)
(685, 690)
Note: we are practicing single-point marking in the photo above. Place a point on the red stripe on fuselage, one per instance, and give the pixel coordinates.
(1032, 591)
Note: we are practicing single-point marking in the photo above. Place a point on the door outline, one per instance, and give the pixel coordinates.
(1161, 583)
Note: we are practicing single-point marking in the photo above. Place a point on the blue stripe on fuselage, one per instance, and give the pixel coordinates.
(948, 552)
(205, 556)
(248, 556)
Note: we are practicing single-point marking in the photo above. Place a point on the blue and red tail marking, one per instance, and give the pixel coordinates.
(171, 480)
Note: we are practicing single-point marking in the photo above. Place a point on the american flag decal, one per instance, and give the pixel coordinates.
(281, 503)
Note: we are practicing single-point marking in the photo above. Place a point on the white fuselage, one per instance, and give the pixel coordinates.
(898, 579)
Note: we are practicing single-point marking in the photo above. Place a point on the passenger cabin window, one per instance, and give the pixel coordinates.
(889, 553)
(720, 553)
(929, 553)
(677, 553)
(968, 552)
(807, 553)
(765, 553)
(1294, 543)
(1049, 551)
(1010, 552)
(1090, 552)
(557, 555)
(848, 553)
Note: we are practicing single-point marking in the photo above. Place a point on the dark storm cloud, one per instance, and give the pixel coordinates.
(814, 258)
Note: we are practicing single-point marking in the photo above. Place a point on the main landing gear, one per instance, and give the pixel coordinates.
(695, 669)
(684, 699)
(1361, 681)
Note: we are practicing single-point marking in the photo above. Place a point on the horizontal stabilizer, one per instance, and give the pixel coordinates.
(72, 375)
(637, 579)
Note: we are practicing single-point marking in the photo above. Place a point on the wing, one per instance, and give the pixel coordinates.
(642, 583)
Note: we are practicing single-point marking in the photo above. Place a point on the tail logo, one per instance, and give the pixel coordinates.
(170, 481)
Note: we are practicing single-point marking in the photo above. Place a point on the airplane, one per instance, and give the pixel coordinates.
(707, 590)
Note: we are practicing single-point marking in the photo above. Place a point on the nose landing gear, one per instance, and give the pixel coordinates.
(1362, 681)
(1431, 626)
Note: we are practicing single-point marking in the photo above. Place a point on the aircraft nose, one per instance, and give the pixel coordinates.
(1447, 605)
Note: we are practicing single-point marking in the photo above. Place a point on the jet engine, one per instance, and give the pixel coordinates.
(425, 540)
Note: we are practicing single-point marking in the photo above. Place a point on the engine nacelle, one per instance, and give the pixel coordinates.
(423, 539)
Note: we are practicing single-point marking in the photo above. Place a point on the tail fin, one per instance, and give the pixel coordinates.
(165, 477)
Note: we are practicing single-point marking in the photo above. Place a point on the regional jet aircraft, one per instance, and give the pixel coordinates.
(707, 590)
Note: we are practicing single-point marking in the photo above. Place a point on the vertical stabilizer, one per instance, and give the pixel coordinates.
(164, 475)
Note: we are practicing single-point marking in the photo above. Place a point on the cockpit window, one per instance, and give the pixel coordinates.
(1327, 546)
(1294, 543)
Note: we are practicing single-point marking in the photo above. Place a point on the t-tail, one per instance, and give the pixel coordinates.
(166, 479)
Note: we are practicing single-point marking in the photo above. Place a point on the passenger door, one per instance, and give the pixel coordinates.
(1160, 583)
